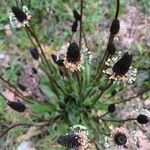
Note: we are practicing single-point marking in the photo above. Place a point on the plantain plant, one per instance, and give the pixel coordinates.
(79, 89)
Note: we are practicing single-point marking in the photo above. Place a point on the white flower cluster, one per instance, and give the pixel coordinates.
(79, 128)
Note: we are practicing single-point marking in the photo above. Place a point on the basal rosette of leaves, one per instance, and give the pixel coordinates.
(77, 87)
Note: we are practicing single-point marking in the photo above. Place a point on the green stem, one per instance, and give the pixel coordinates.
(81, 14)
(16, 125)
(117, 9)
(53, 81)
(102, 91)
(71, 37)
(68, 77)
(131, 98)
(79, 83)
(42, 51)
(85, 39)
(124, 120)
(44, 57)
(18, 93)
(17, 3)
(2, 95)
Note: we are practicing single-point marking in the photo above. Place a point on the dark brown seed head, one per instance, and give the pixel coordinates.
(114, 92)
(122, 66)
(75, 26)
(120, 139)
(70, 141)
(73, 53)
(17, 106)
(34, 53)
(142, 119)
(115, 26)
(19, 14)
(111, 108)
(77, 16)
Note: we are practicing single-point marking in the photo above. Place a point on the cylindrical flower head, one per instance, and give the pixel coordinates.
(111, 48)
(19, 14)
(120, 139)
(115, 26)
(111, 108)
(77, 16)
(142, 119)
(70, 141)
(17, 106)
(34, 53)
(114, 92)
(122, 66)
(75, 26)
(73, 53)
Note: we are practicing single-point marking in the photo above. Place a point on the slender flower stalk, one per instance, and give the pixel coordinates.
(132, 98)
(44, 57)
(17, 92)
(42, 51)
(17, 3)
(117, 9)
(81, 14)
(71, 37)
(101, 93)
(123, 120)
(21, 124)
(32, 42)
(85, 39)
(14, 126)
(22, 3)
(110, 41)
(80, 88)
(142, 119)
